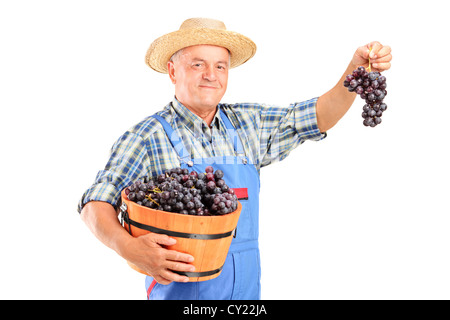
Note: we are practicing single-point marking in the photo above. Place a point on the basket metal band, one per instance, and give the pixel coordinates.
(171, 233)
(198, 274)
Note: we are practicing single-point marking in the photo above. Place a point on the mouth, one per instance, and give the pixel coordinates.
(208, 87)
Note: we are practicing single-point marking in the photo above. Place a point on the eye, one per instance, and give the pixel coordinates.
(197, 65)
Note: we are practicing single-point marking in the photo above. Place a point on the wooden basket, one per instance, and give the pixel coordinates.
(206, 238)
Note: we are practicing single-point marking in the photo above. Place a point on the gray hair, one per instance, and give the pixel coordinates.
(176, 55)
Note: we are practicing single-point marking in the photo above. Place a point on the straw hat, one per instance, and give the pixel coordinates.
(199, 31)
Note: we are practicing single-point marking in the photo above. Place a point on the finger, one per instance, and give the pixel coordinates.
(384, 51)
(163, 239)
(386, 58)
(178, 256)
(173, 276)
(179, 266)
(381, 66)
(162, 280)
(376, 46)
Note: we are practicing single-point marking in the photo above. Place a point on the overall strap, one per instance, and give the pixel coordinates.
(175, 140)
(232, 133)
(178, 144)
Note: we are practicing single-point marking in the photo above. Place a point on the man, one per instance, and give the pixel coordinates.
(196, 126)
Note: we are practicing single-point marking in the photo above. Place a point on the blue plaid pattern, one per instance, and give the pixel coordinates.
(268, 135)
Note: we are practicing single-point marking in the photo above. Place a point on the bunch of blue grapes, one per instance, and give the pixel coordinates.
(178, 190)
(371, 87)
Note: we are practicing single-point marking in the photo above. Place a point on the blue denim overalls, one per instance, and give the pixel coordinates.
(241, 273)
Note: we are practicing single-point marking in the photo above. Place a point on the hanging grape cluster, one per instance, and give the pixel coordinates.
(371, 87)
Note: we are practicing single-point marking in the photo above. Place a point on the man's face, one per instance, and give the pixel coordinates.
(200, 75)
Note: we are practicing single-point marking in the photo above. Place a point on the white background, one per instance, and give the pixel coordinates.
(362, 214)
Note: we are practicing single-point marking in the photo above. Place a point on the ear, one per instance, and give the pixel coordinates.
(171, 70)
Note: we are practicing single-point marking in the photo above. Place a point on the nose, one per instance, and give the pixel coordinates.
(210, 73)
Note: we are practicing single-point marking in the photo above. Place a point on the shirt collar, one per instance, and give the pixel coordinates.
(192, 121)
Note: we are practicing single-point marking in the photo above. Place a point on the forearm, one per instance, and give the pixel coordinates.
(101, 219)
(332, 105)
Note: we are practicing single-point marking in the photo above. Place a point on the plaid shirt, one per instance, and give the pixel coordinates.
(268, 135)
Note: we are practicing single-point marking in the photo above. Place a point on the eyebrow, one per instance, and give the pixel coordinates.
(203, 60)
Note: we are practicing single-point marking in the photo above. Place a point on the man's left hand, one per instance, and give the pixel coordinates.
(380, 56)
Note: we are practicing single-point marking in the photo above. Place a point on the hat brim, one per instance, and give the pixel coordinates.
(161, 50)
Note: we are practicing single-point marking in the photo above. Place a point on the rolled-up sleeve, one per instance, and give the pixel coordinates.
(283, 129)
(128, 161)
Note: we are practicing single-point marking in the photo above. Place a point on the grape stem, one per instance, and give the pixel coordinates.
(150, 198)
(370, 65)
